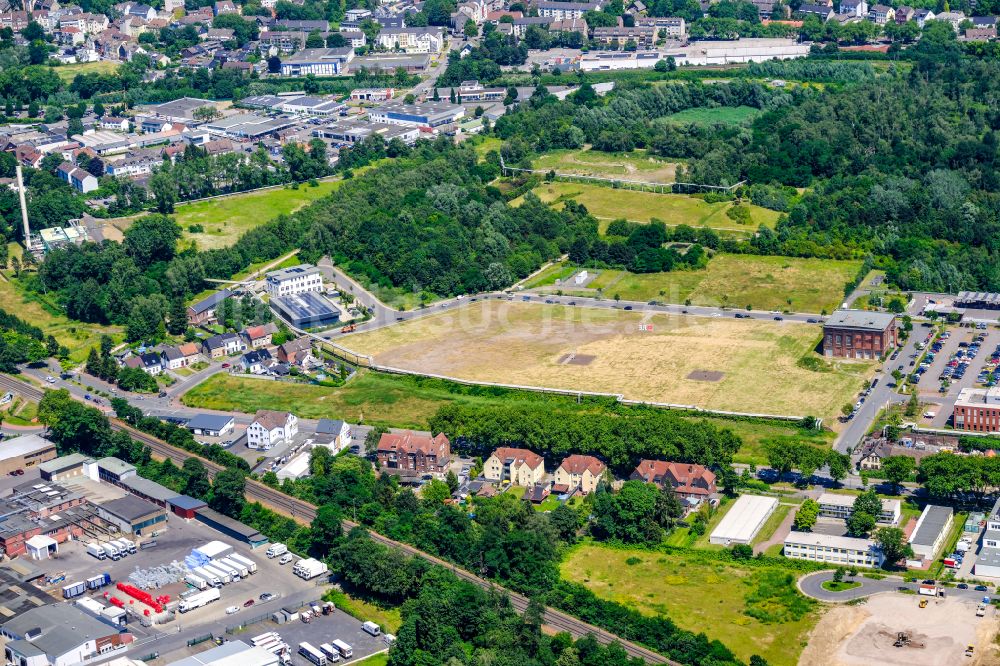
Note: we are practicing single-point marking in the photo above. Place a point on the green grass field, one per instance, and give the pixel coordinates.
(725, 115)
(722, 600)
(765, 283)
(756, 435)
(638, 165)
(609, 204)
(67, 72)
(225, 220)
(48, 315)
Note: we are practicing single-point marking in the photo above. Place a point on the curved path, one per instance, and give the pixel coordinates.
(812, 586)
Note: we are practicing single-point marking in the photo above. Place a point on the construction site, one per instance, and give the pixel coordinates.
(893, 629)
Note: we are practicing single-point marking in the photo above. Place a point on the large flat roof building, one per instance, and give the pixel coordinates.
(977, 410)
(932, 528)
(232, 653)
(427, 114)
(859, 334)
(834, 505)
(743, 520)
(320, 62)
(59, 635)
(306, 310)
(294, 280)
(833, 550)
(25, 451)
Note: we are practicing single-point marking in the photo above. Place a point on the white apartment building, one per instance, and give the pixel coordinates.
(295, 280)
(835, 550)
(411, 40)
(270, 428)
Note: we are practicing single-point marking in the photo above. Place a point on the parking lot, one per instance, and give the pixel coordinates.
(174, 542)
(321, 629)
(959, 363)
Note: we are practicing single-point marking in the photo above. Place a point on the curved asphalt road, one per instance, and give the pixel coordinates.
(811, 586)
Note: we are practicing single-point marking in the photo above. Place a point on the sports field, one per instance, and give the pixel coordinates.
(226, 219)
(714, 363)
(765, 283)
(752, 610)
(724, 115)
(609, 204)
(638, 165)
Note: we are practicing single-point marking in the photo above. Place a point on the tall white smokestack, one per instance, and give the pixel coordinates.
(24, 209)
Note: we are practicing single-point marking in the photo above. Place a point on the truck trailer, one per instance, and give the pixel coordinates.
(95, 550)
(245, 561)
(309, 568)
(237, 566)
(275, 550)
(111, 551)
(196, 581)
(199, 600)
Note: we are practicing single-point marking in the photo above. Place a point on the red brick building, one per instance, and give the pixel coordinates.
(859, 334)
(978, 410)
(411, 453)
(687, 480)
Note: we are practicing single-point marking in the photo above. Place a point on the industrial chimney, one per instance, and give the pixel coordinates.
(24, 209)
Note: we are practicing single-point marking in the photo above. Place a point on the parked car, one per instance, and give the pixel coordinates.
(963, 586)
(232, 609)
(225, 365)
(267, 596)
(248, 603)
(981, 588)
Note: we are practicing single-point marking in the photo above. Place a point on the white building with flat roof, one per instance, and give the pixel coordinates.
(294, 280)
(834, 505)
(743, 520)
(834, 550)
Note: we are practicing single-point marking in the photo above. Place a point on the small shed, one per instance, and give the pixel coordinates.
(40, 547)
(185, 506)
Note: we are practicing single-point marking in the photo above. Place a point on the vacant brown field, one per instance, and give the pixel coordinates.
(750, 365)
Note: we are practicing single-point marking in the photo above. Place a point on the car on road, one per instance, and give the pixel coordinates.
(225, 365)
(571, 303)
(232, 609)
(779, 318)
(628, 307)
(714, 314)
(267, 596)
(549, 301)
(981, 588)
(741, 315)
(248, 603)
(50, 379)
(86, 397)
(163, 394)
(963, 586)
(812, 321)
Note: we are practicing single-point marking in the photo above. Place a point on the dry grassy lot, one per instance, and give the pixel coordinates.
(529, 344)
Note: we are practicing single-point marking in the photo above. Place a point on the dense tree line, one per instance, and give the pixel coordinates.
(20, 342)
(620, 440)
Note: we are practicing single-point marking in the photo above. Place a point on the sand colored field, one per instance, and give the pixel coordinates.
(637, 165)
(864, 635)
(530, 344)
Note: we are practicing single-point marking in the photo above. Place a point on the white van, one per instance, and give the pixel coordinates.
(286, 558)
(371, 628)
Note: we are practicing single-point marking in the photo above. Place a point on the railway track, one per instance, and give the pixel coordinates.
(304, 512)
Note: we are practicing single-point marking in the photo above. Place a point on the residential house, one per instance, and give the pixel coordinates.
(59, 635)
(872, 452)
(409, 453)
(150, 362)
(133, 164)
(824, 12)
(221, 345)
(180, 356)
(294, 280)
(116, 123)
(578, 473)
(203, 312)
(689, 481)
(270, 428)
(620, 35)
(333, 433)
(225, 7)
(673, 27)
(256, 361)
(284, 41)
(520, 467)
(295, 352)
(983, 34)
(921, 16)
(567, 10)
(881, 14)
(857, 8)
(571, 25)
(137, 10)
(79, 180)
(904, 14)
(259, 336)
(411, 40)
(955, 18)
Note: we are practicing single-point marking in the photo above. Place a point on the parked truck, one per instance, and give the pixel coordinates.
(98, 581)
(275, 550)
(126, 545)
(74, 589)
(928, 590)
(95, 550)
(309, 568)
(237, 566)
(210, 576)
(196, 581)
(245, 561)
(221, 574)
(199, 600)
(111, 551)
(221, 565)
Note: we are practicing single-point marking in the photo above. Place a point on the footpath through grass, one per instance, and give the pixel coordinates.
(751, 609)
(609, 204)
(225, 219)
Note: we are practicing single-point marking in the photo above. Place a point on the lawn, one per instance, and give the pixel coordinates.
(380, 659)
(608, 203)
(751, 365)
(725, 115)
(834, 586)
(637, 165)
(19, 412)
(720, 599)
(226, 219)
(765, 283)
(485, 144)
(558, 271)
(44, 313)
(67, 72)
(376, 398)
(388, 618)
(757, 435)
(771, 524)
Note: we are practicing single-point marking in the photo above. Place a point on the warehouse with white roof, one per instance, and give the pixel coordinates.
(744, 520)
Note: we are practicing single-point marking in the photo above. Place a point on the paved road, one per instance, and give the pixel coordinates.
(811, 586)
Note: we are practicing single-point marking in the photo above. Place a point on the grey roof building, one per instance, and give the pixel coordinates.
(931, 529)
(62, 633)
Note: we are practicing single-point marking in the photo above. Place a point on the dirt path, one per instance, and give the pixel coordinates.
(836, 625)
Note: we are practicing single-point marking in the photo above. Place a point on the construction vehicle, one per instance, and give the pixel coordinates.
(348, 329)
(923, 603)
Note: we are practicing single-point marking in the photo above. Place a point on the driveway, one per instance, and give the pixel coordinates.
(812, 586)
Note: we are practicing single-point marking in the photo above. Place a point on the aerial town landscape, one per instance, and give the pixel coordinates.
(499, 333)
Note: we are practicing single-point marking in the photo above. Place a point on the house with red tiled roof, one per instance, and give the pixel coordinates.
(409, 453)
(258, 336)
(520, 467)
(578, 473)
(687, 480)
